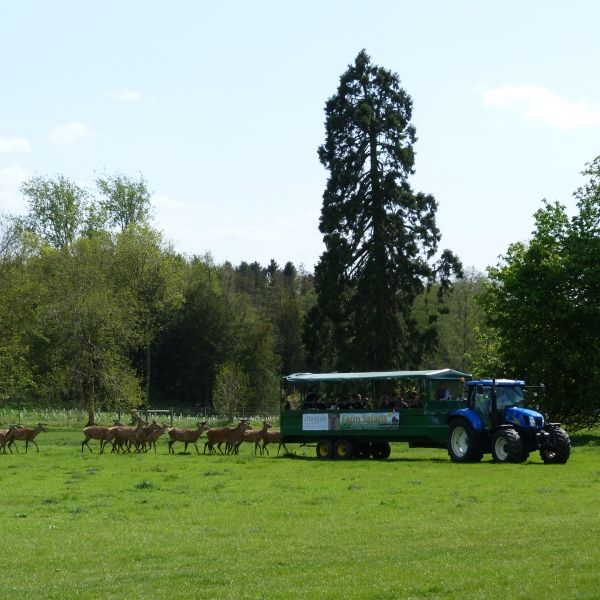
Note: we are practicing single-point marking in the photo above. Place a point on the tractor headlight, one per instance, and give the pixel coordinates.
(532, 421)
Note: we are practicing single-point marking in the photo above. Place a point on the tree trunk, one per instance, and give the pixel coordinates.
(91, 416)
(148, 375)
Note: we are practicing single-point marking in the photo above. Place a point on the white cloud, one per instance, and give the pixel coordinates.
(540, 104)
(125, 95)
(14, 145)
(11, 199)
(67, 134)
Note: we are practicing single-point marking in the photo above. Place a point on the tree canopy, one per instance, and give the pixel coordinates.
(380, 236)
(543, 301)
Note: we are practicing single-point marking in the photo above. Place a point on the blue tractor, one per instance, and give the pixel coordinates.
(498, 420)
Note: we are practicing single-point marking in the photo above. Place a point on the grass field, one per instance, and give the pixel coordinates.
(185, 526)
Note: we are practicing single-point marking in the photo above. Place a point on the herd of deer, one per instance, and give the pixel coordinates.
(145, 435)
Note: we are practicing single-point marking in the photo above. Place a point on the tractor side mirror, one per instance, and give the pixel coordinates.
(542, 388)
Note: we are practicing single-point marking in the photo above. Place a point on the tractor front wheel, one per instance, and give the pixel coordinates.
(507, 446)
(558, 455)
(462, 443)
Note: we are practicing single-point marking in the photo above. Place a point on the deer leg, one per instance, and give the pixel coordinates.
(265, 449)
(196, 446)
(35, 444)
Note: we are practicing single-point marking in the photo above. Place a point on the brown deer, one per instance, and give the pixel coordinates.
(273, 437)
(98, 432)
(187, 436)
(228, 435)
(154, 435)
(146, 431)
(254, 435)
(26, 434)
(6, 436)
(119, 435)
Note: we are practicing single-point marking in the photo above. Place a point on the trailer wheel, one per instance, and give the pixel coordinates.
(507, 446)
(381, 450)
(325, 449)
(344, 449)
(558, 455)
(462, 442)
(363, 450)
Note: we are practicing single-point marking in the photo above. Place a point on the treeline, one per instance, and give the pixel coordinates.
(98, 309)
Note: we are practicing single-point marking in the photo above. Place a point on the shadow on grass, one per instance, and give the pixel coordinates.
(585, 439)
(291, 456)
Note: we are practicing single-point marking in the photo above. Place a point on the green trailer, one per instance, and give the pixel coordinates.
(342, 429)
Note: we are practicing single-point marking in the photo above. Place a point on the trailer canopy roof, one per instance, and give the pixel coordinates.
(439, 374)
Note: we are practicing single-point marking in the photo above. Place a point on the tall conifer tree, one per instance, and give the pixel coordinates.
(380, 236)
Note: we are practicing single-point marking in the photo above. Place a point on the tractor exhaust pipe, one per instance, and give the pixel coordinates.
(494, 405)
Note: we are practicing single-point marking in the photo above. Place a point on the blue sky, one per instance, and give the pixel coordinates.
(220, 106)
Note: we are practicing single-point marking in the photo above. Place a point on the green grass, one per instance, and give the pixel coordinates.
(415, 526)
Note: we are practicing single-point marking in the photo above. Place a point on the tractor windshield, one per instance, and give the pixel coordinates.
(510, 396)
(481, 399)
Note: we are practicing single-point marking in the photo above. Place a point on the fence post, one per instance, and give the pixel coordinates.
(171, 416)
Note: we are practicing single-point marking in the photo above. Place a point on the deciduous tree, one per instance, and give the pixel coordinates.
(58, 208)
(543, 300)
(125, 200)
(232, 390)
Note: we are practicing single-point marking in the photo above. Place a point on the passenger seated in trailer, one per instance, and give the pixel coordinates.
(319, 404)
(369, 403)
(310, 399)
(345, 405)
(414, 401)
(358, 403)
(442, 392)
(386, 404)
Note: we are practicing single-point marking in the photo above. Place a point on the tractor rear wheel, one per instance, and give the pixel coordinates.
(558, 455)
(343, 449)
(462, 442)
(507, 446)
(325, 449)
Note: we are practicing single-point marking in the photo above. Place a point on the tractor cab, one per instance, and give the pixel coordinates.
(511, 405)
